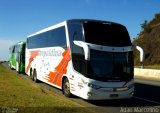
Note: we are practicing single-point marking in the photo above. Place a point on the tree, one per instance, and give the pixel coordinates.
(144, 25)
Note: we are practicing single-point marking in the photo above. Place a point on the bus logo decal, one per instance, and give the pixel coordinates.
(56, 77)
(33, 55)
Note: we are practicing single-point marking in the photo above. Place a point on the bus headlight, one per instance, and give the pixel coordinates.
(93, 86)
(122, 89)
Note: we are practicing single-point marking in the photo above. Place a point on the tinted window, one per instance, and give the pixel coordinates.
(110, 65)
(107, 34)
(75, 33)
(79, 62)
(17, 48)
(11, 49)
(55, 37)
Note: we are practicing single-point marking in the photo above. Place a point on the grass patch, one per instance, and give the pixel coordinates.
(149, 66)
(152, 67)
(19, 94)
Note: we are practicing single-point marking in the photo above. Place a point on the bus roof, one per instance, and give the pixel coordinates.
(70, 21)
(18, 43)
(21, 42)
(47, 29)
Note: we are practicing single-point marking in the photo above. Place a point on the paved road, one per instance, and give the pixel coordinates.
(145, 100)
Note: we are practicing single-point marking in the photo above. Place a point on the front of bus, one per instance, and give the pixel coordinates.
(103, 58)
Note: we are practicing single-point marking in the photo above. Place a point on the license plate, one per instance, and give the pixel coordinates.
(113, 95)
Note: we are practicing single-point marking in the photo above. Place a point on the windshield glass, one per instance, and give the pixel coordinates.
(107, 34)
(103, 66)
(110, 65)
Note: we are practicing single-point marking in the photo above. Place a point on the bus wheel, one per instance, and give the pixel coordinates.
(10, 66)
(17, 67)
(66, 88)
(31, 74)
(35, 76)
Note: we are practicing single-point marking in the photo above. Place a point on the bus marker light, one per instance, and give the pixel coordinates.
(89, 94)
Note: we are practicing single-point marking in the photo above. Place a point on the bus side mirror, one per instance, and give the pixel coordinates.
(141, 54)
(85, 48)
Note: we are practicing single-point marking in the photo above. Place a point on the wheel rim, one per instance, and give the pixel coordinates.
(66, 88)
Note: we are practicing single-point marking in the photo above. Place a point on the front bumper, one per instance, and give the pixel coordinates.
(106, 95)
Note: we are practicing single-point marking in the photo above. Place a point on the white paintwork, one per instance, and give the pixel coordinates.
(85, 48)
(48, 29)
(110, 48)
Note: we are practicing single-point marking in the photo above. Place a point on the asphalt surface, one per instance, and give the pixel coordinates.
(146, 98)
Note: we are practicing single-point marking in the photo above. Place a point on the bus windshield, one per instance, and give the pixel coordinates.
(103, 65)
(110, 65)
(107, 34)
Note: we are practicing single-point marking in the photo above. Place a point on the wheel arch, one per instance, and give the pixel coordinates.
(63, 78)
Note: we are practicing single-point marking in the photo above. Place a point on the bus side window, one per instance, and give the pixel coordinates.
(78, 55)
(13, 50)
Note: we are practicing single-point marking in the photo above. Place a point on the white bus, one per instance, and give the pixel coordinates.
(91, 59)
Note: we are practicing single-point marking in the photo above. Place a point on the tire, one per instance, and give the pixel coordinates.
(31, 74)
(35, 76)
(10, 65)
(17, 67)
(66, 88)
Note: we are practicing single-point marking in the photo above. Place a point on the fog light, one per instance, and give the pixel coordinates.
(89, 94)
(122, 89)
(132, 93)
